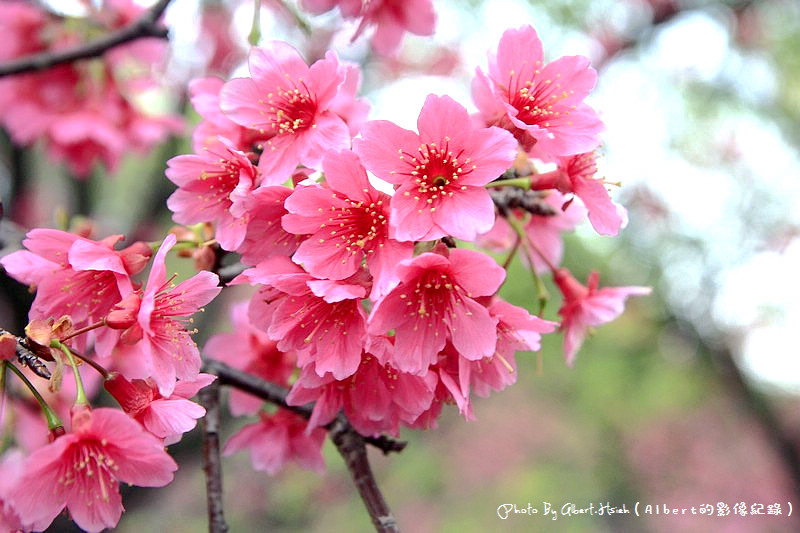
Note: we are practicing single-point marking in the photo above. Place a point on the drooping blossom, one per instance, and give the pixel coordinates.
(167, 418)
(542, 104)
(391, 18)
(347, 220)
(249, 349)
(288, 102)
(322, 321)
(215, 125)
(435, 303)
(214, 186)
(82, 469)
(157, 345)
(264, 236)
(586, 306)
(11, 464)
(440, 172)
(277, 439)
(376, 399)
(76, 276)
(576, 174)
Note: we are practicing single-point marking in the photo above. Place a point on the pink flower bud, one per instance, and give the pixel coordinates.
(136, 256)
(123, 315)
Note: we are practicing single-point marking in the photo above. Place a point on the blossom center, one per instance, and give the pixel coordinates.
(539, 104)
(90, 462)
(356, 224)
(291, 110)
(436, 173)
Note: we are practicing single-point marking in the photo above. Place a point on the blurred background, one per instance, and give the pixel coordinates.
(689, 399)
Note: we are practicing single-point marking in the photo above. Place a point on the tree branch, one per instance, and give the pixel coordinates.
(212, 466)
(352, 449)
(145, 26)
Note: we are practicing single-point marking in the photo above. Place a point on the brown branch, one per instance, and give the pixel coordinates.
(351, 447)
(275, 394)
(145, 26)
(212, 466)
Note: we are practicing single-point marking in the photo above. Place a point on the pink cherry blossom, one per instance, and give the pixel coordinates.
(347, 221)
(264, 236)
(214, 187)
(391, 18)
(277, 439)
(158, 345)
(11, 464)
(434, 303)
(289, 103)
(321, 320)
(82, 469)
(376, 398)
(249, 349)
(586, 306)
(541, 104)
(215, 124)
(575, 174)
(76, 276)
(166, 418)
(440, 172)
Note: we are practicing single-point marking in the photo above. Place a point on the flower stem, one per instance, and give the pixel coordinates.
(541, 290)
(90, 327)
(80, 398)
(255, 30)
(53, 421)
(522, 183)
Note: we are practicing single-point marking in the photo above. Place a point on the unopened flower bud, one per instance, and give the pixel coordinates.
(124, 313)
(136, 256)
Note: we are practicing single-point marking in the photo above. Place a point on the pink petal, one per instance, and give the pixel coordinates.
(440, 117)
(465, 214)
(476, 272)
(381, 148)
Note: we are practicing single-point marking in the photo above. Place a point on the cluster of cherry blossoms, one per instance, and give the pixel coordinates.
(87, 112)
(364, 302)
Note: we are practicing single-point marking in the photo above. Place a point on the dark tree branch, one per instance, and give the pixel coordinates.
(145, 26)
(351, 447)
(212, 466)
(275, 394)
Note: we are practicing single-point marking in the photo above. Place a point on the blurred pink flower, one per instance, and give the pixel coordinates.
(586, 306)
(277, 439)
(249, 349)
(440, 173)
(541, 104)
(81, 470)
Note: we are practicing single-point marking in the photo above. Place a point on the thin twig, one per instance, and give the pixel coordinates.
(276, 395)
(212, 466)
(145, 26)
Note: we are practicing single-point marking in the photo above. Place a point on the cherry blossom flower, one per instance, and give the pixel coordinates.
(167, 418)
(541, 104)
(440, 173)
(321, 320)
(347, 221)
(586, 306)
(76, 276)
(288, 102)
(264, 236)
(11, 464)
(375, 399)
(82, 469)
(158, 346)
(391, 18)
(575, 174)
(214, 187)
(215, 125)
(277, 439)
(434, 303)
(249, 349)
